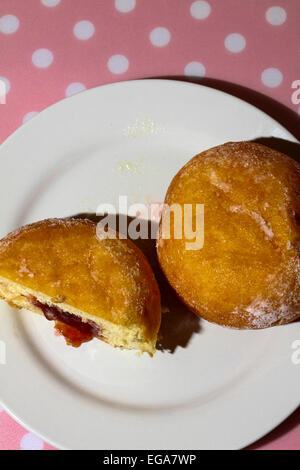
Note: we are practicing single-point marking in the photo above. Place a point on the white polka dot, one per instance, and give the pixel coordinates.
(4, 89)
(160, 36)
(9, 24)
(84, 30)
(124, 6)
(271, 77)
(74, 88)
(118, 64)
(31, 442)
(200, 10)
(235, 42)
(194, 69)
(50, 3)
(276, 16)
(28, 116)
(42, 58)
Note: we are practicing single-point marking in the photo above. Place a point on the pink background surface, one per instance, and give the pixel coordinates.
(120, 42)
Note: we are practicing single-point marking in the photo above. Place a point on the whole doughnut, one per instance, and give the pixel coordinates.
(247, 274)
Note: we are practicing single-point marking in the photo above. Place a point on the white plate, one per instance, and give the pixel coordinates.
(223, 389)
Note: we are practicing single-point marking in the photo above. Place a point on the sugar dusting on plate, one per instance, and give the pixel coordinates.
(142, 126)
(131, 167)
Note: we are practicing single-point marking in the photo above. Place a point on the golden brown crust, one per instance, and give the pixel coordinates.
(63, 258)
(247, 275)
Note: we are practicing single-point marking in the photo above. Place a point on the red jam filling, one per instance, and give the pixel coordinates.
(70, 326)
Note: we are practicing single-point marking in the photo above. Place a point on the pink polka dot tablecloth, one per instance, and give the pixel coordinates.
(50, 49)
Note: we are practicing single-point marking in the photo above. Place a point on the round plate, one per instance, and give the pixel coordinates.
(207, 387)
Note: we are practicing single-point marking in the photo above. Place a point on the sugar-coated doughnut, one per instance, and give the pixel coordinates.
(90, 287)
(247, 275)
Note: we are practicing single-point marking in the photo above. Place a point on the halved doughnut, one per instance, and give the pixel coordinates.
(90, 287)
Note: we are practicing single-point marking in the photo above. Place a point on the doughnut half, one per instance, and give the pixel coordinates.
(247, 275)
(90, 287)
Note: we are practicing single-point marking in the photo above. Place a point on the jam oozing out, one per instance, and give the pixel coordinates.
(74, 336)
(70, 326)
